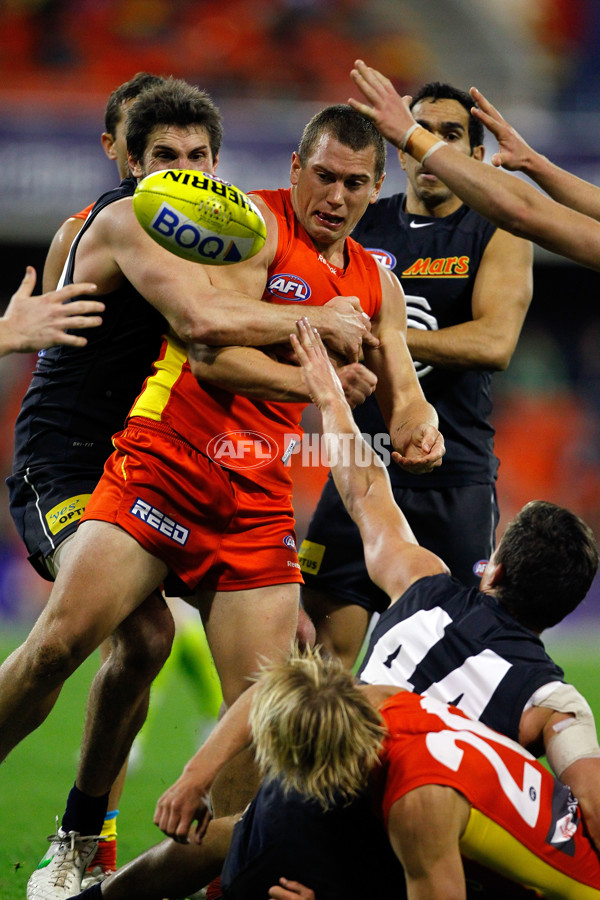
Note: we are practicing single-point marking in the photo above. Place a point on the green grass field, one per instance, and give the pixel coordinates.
(35, 779)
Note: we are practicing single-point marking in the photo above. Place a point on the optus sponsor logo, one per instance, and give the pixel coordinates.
(242, 449)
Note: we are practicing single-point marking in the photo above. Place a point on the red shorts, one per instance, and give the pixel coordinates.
(213, 528)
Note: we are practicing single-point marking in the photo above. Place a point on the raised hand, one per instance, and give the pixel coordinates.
(513, 152)
(385, 107)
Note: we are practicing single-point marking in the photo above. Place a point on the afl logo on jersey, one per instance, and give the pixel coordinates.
(288, 287)
(387, 260)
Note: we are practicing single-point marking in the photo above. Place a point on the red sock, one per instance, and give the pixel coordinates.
(213, 891)
(105, 857)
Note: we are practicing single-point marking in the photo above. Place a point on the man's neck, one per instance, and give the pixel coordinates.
(416, 207)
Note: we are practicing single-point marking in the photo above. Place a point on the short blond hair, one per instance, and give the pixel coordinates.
(313, 729)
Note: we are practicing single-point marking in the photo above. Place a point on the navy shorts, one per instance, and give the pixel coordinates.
(46, 504)
(456, 523)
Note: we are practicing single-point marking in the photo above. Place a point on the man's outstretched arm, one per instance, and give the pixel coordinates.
(516, 155)
(507, 201)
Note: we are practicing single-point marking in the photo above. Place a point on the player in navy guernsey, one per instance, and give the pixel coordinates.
(468, 287)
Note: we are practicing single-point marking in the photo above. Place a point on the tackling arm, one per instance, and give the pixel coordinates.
(223, 311)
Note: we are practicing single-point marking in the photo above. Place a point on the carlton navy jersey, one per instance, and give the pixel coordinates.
(461, 647)
(436, 261)
(79, 397)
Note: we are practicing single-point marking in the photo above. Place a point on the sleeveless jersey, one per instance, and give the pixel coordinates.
(523, 822)
(461, 647)
(436, 261)
(251, 436)
(83, 213)
(78, 398)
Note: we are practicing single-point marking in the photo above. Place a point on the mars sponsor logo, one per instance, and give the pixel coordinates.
(65, 512)
(387, 259)
(444, 267)
(242, 449)
(286, 286)
(158, 520)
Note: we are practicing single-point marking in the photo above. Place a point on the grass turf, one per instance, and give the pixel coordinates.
(37, 776)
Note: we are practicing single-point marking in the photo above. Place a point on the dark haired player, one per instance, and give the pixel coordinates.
(468, 286)
(115, 146)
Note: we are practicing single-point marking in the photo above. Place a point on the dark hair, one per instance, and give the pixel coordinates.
(129, 90)
(347, 126)
(550, 558)
(173, 102)
(439, 90)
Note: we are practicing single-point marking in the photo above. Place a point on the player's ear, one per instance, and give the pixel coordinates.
(402, 158)
(377, 189)
(295, 169)
(135, 167)
(478, 152)
(492, 576)
(108, 143)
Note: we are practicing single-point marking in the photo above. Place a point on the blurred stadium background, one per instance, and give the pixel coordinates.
(270, 64)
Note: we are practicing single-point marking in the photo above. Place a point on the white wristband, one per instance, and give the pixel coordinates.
(433, 149)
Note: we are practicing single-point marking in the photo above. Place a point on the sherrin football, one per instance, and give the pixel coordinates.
(199, 217)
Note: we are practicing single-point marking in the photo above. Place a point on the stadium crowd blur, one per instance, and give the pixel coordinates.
(260, 48)
(548, 402)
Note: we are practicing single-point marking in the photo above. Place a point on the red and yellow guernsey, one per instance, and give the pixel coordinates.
(253, 437)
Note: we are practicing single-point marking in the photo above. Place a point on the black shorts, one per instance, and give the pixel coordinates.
(46, 505)
(456, 523)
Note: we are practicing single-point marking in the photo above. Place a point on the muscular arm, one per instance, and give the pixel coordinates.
(510, 203)
(411, 420)
(249, 372)
(501, 296)
(59, 251)
(185, 801)
(425, 827)
(393, 558)
(515, 154)
(210, 305)
(577, 763)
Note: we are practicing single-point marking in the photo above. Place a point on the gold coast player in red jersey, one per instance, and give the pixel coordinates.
(165, 506)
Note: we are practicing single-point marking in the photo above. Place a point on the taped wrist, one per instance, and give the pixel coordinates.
(574, 738)
(420, 143)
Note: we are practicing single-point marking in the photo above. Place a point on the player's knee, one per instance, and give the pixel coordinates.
(52, 659)
(143, 646)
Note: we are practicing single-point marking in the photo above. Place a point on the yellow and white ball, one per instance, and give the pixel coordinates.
(199, 217)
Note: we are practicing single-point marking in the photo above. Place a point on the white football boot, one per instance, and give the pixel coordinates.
(59, 874)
